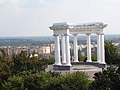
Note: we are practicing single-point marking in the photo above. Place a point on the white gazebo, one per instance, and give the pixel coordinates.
(63, 30)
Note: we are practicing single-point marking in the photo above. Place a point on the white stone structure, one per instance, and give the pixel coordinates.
(63, 30)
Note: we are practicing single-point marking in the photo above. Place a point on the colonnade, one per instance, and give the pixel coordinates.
(65, 48)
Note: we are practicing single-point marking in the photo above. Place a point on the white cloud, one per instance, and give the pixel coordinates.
(10, 7)
(14, 2)
(37, 15)
(41, 1)
(2, 1)
(15, 5)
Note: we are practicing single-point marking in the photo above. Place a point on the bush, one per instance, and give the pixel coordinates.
(25, 63)
(109, 79)
(5, 71)
(13, 83)
(73, 81)
(28, 81)
(36, 81)
(111, 53)
(25, 73)
(51, 59)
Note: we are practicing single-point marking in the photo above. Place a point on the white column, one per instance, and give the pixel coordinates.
(88, 48)
(63, 49)
(75, 48)
(57, 50)
(98, 49)
(102, 49)
(68, 62)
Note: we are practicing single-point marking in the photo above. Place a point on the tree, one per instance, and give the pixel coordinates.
(4, 56)
(111, 53)
(109, 79)
(5, 72)
(13, 83)
(23, 62)
(5, 66)
(70, 81)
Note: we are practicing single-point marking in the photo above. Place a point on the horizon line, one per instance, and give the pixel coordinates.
(49, 35)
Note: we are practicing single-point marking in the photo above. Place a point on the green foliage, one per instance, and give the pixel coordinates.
(94, 57)
(76, 81)
(51, 59)
(109, 79)
(5, 72)
(81, 58)
(111, 53)
(27, 73)
(22, 62)
(13, 83)
(47, 81)
(73, 81)
(5, 67)
(36, 81)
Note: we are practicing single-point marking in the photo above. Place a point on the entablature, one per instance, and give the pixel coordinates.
(64, 27)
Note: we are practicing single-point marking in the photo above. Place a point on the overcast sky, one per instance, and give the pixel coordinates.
(33, 17)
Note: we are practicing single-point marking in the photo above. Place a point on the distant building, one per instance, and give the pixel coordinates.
(45, 49)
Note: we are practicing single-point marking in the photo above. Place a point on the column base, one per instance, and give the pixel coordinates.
(75, 61)
(102, 62)
(88, 60)
(68, 64)
(59, 64)
(98, 61)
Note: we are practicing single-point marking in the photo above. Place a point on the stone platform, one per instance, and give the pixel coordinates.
(100, 65)
(77, 66)
(90, 68)
(62, 67)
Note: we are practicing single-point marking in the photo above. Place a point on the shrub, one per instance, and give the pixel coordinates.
(5, 71)
(73, 81)
(24, 63)
(109, 79)
(36, 81)
(13, 83)
(111, 53)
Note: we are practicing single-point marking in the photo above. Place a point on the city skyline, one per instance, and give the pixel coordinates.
(33, 18)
